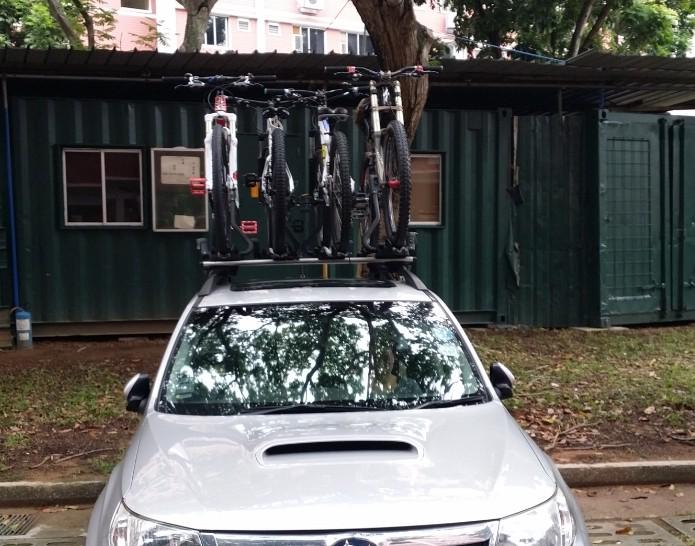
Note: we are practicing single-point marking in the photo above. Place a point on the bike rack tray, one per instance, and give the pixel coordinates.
(223, 264)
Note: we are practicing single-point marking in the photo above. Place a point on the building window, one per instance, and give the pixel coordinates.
(426, 201)
(174, 207)
(216, 34)
(243, 25)
(136, 4)
(274, 29)
(308, 40)
(102, 187)
(357, 44)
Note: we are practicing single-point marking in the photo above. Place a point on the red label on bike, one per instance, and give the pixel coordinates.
(249, 227)
(197, 186)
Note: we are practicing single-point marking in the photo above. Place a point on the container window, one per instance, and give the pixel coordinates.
(426, 200)
(244, 25)
(102, 187)
(174, 207)
(274, 29)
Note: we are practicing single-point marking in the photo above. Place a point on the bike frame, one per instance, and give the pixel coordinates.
(230, 126)
(271, 124)
(374, 153)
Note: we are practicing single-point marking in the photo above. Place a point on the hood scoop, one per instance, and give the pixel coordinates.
(332, 451)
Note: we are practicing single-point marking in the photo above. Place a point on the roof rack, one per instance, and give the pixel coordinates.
(379, 268)
(350, 260)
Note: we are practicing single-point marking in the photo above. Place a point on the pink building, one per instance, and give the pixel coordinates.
(318, 26)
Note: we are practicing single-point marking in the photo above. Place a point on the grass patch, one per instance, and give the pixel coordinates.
(16, 440)
(634, 380)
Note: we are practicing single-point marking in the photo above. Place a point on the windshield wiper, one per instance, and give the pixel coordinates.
(305, 408)
(465, 401)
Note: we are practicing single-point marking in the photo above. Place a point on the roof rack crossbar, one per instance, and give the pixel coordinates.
(225, 264)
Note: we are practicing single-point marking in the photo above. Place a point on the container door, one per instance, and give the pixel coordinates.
(684, 218)
(631, 247)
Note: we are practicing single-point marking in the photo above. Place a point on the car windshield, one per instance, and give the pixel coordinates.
(356, 355)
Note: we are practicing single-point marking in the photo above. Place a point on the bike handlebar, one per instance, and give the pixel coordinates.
(359, 72)
(211, 81)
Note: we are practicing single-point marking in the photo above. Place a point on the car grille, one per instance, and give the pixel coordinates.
(476, 534)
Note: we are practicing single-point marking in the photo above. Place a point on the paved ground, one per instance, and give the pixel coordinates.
(629, 516)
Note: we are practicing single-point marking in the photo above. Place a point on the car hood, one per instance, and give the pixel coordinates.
(383, 469)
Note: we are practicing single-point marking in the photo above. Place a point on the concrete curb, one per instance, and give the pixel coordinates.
(631, 473)
(576, 475)
(46, 493)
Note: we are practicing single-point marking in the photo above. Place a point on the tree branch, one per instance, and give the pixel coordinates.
(64, 23)
(88, 22)
(600, 20)
(579, 26)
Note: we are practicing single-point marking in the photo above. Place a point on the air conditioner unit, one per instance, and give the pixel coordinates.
(311, 7)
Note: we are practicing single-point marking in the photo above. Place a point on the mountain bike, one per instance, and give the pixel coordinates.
(385, 181)
(274, 186)
(332, 185)
(221, 175)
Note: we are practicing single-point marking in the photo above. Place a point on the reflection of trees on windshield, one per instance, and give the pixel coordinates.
(389, 354)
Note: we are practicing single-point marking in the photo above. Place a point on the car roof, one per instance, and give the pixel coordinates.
(309, 290)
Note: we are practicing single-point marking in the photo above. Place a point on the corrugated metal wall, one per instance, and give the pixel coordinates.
(541, 214)
(463, 260)
(549, 223)
(101, 273)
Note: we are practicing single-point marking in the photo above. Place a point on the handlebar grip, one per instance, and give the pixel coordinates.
(433, 68)
(174, 78)
(328, 69)
(275, 92)
(265, 78)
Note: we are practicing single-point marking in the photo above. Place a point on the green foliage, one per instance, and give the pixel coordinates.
(659, 27)
(28, 23)
(151, 38)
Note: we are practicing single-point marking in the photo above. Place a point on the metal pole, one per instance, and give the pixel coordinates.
(10, 198)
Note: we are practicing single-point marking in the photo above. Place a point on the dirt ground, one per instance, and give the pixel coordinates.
(62, 415)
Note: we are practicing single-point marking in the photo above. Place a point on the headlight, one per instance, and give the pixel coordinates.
(129, 530)
(549, 524)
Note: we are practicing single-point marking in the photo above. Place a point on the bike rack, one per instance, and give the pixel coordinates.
(350, 260)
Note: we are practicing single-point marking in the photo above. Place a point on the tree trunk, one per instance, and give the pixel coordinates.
(600, 20)
(64, 23)
(399, 40)
(88, 22)
(197, 15)
(579, 27)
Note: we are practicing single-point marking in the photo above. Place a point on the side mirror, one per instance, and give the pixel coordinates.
(136, 392)
(502, 380)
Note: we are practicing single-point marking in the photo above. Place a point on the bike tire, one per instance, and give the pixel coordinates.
(396, 200)
(368, 243)
(220, 201)
(279, 185)
(340, 193)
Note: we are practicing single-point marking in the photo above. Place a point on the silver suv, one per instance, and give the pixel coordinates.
(328, 413)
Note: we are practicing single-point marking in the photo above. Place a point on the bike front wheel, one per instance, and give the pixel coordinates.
(220, 198)
(340, 210)
(280, 189)
(397, 186)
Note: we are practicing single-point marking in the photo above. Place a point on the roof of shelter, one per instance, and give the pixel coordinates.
(591, 80)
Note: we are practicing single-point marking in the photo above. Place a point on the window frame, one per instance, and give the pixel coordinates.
(138, 10)
(440, 222)
(301, 37)
(361, 38)
(227, 37)
(248, 24)
(104, 223)
(158, 153)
